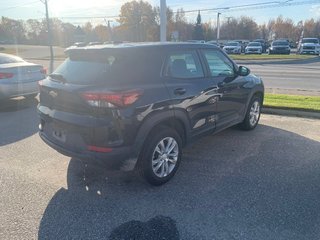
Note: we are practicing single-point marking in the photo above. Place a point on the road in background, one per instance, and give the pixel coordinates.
(303, 75)
(34, 52)
(261, 184)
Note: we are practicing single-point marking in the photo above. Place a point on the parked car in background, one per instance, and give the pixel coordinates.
(309, 46)
(279, 47)
(253, 48)
(102, 103)
(232, 48)
(243, 43)
(196, 41)
(18, 77)
(264, 44)
(214, 42)
(79, 44)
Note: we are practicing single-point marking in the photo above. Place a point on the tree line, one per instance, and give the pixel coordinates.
(139, 21)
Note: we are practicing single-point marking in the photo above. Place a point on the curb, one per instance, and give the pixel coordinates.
(293, 113)
(278, 61)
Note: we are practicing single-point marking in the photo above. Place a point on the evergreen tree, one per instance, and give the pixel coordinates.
(198, 33)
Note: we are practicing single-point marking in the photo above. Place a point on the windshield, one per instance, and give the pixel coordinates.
(310, 40)
(282, 43)
(232, 44)
(5, 58)
(254, 44)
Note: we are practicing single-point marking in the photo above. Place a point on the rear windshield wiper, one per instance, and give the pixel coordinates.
(57, 77)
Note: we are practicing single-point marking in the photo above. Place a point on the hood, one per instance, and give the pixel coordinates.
(309, 44)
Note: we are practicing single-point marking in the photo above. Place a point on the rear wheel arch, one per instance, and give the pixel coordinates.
(168, 119)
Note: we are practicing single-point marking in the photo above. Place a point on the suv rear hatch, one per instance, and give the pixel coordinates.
(79, 102)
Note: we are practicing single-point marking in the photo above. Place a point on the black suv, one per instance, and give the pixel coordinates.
(139, 104)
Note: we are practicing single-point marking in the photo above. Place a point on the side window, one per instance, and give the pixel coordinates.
(219, 64)
(183, 65)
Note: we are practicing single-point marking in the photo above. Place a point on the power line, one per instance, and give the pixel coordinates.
(235, 8)
(254, 6)
(20, 5)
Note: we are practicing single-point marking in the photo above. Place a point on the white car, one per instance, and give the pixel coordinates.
(232, 48)
(18, 77)
(253, 48)
(309, 46)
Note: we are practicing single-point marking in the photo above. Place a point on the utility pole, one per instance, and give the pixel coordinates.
(163, 21)
(45, 2)
(228, 19)
(218, 27)
(109, 29)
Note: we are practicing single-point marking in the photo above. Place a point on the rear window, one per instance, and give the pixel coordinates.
(232, 44)
(9, 59)
(91, 67)
(284, 43)
(310, 40)
(256, 44)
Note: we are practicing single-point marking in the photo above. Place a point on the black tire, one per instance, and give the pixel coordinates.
(149, 152)
(248, 123)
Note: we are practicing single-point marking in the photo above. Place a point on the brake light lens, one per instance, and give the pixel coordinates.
(43, 71)
(112, 99)
(99, 149)
(4, 75)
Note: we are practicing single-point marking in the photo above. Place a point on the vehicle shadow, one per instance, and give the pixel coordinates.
(18, 118)
(262, 184)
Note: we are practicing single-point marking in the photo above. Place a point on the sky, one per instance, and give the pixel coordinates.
(70, 10)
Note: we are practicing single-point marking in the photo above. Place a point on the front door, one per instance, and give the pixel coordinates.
(192, 93)
(231, 87)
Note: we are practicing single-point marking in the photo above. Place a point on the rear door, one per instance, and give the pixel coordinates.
(192, 93)
(231, 87)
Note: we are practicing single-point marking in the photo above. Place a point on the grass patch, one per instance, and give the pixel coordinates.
(270, 57)
(298, 102)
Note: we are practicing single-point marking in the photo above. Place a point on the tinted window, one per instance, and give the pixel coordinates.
(310, 40)
(280, 43)
(254, 44)
(219, 64)
(232, 44)
(183, 65)
(114, 66)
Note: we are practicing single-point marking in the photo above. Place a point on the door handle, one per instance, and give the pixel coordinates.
(180, 91)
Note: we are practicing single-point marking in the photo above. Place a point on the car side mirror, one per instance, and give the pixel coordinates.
(243, 71)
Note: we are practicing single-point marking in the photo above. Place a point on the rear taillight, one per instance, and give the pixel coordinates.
(99, 149)
(43, 71)
(4, 75)
(112, 99)
(40, 83)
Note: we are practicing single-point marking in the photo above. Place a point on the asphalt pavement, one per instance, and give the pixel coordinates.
(262, 184)
(297, 76)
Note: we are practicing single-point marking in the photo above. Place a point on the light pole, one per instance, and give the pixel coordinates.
(109, 29)
(163, 21)
(218, 27)
(45, 2)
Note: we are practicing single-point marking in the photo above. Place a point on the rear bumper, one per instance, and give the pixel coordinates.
(309, 51)
(9, 90)
(114, 158)
(81, 132)
(279, 51)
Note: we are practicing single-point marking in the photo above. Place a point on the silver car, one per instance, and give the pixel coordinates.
(18, 77)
